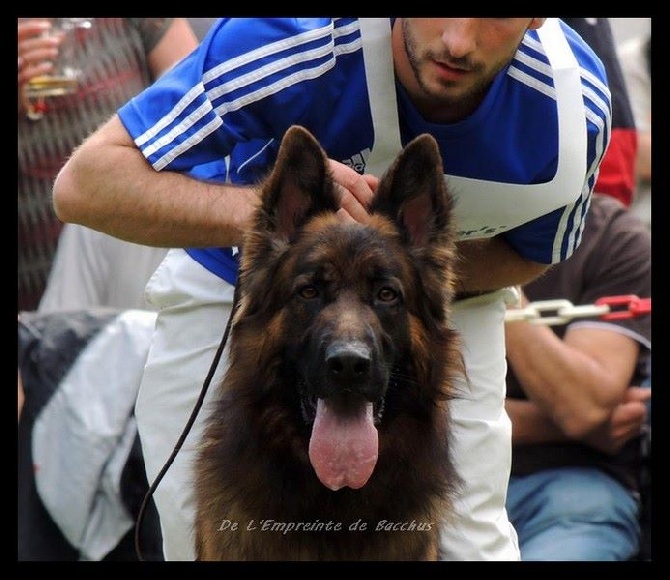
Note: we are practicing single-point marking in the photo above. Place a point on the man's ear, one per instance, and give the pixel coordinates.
(535, 23)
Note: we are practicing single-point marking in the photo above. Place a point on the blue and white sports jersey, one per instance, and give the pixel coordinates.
(220, 115)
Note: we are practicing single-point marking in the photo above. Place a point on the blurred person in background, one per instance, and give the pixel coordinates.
(117, 57)
(577, 408)
(635, 57)
(617, 170)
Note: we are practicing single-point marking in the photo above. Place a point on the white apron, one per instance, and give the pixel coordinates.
(486, 205)
(480, 529)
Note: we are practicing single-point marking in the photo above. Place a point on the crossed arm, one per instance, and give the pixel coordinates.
(577, 387)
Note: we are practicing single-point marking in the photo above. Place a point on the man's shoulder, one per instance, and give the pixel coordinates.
(586, 55)
(541, 57)
(264, 32)
(277, 46)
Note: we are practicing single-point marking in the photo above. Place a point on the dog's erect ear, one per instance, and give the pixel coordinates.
(414, 194)
(299, 184)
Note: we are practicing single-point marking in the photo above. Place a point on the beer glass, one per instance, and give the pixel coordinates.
(64, 78)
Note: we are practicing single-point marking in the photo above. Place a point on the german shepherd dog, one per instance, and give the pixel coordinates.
(330, 437)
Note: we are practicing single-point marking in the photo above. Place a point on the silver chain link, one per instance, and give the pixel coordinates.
(555, 312)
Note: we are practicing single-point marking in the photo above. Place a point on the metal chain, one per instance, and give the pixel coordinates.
(555, 312)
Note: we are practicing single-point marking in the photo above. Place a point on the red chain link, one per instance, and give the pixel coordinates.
(634, 306)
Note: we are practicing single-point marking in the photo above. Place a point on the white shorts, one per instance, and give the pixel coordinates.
(482, 436)
(193, 308)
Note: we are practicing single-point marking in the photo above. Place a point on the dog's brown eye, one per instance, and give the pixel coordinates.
(387, 294)
(308, 292)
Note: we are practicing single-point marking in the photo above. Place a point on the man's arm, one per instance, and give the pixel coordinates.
(108, 185)
(577, 381)
(531, 425)
(491, 264)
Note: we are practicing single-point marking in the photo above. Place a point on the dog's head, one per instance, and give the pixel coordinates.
(354, 317)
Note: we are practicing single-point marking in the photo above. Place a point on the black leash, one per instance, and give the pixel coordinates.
(186, 430)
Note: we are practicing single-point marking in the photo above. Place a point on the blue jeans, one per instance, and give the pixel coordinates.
(573, 513)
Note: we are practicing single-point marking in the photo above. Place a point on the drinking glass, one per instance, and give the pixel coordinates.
(64, 78)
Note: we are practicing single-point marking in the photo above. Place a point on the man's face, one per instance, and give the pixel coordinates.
(449, 63)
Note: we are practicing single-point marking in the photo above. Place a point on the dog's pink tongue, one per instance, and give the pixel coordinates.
(343, 451)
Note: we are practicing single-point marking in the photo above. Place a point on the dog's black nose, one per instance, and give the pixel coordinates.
(348, 363)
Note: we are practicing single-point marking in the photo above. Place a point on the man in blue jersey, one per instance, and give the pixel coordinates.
(521, 111)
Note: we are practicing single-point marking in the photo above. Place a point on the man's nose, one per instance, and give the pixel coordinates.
(459, 36)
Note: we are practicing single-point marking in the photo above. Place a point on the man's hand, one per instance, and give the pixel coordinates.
(356, 191)
(625, 423)
(36, 53)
